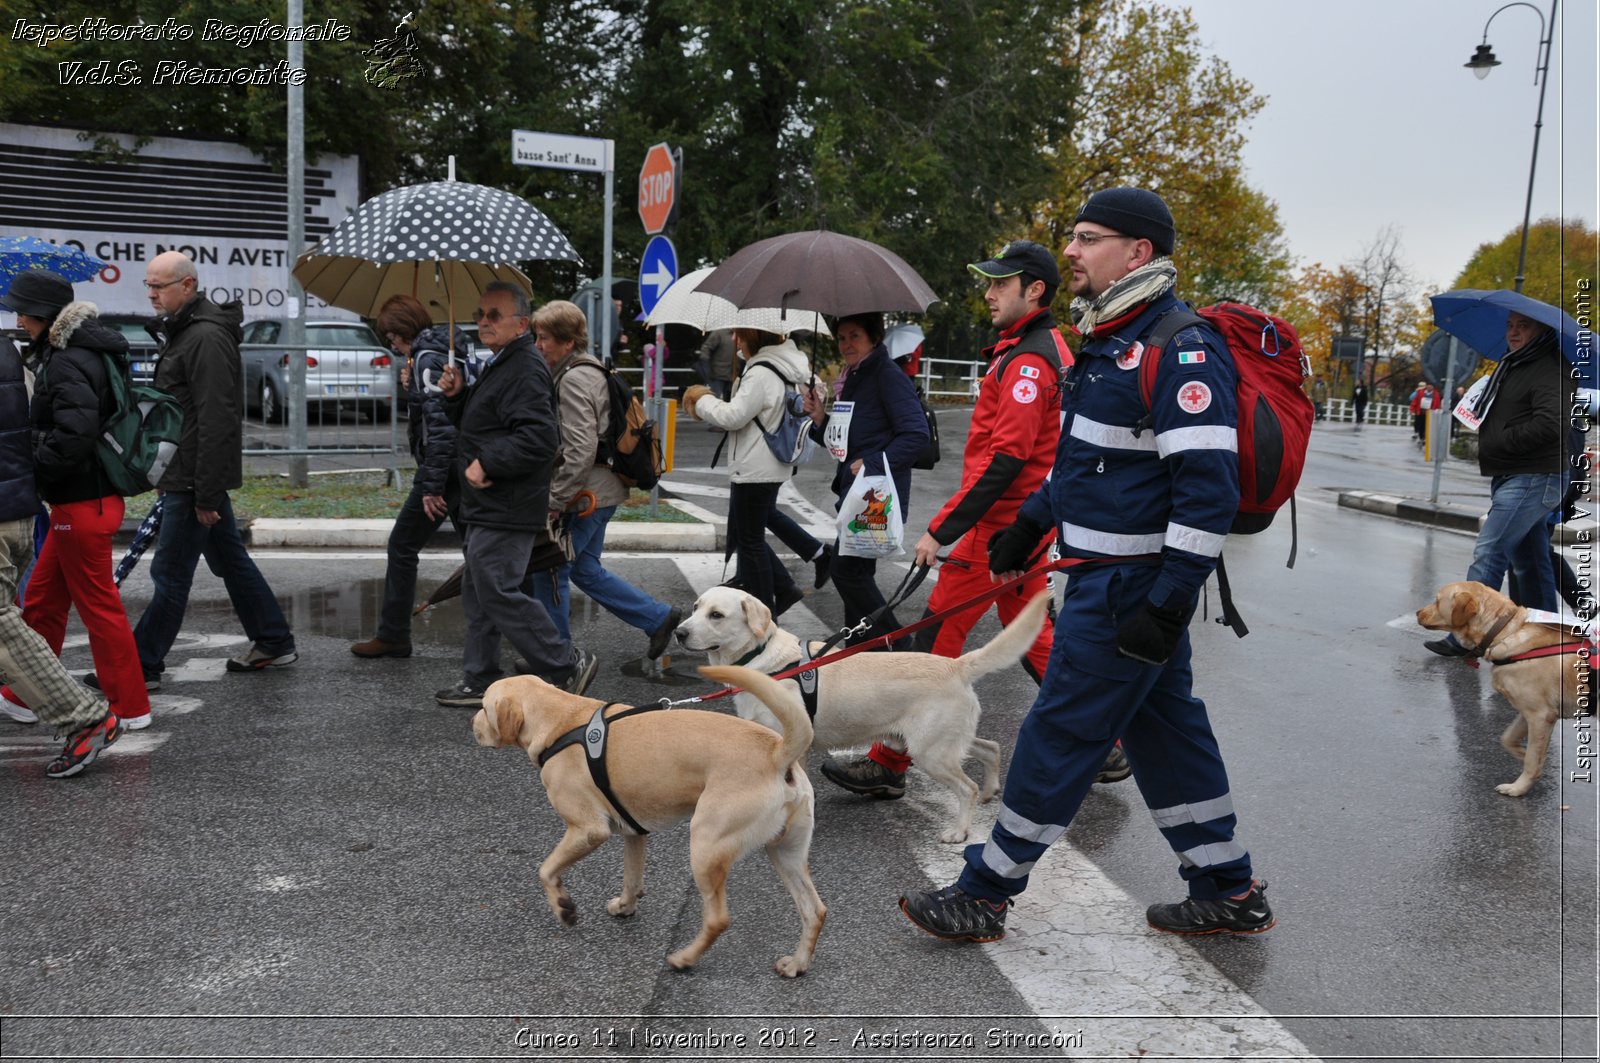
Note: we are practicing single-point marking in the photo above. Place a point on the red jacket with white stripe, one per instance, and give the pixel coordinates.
(1011, 444)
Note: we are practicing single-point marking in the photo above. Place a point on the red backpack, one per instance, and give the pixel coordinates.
(1275, 414)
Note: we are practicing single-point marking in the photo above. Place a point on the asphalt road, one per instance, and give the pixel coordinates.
(318, 862)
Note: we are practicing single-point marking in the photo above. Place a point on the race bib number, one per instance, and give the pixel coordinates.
(1466, 410)
(836, 437)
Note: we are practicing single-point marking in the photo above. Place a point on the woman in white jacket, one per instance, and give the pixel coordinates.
(755, 473)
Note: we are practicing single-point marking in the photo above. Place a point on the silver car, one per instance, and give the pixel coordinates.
(347, 369)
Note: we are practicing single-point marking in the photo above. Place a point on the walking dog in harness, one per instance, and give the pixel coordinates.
(741, 785)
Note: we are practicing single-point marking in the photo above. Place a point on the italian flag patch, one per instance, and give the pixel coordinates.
(1191, 357)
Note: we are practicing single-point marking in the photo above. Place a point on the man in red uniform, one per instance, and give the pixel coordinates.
(1010, 449)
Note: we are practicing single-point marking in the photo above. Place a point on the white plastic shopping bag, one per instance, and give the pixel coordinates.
(870, 522)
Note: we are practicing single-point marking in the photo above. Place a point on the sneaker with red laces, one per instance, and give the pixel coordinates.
(83, 747)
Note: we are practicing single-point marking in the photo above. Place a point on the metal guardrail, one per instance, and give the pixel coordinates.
(1382, 413)
(352, 407)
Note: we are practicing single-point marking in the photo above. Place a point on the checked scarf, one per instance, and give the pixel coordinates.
(1150, 280)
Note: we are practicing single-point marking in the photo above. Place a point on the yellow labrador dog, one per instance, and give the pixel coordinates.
(924, 699)
(1496, 628)
(739, 784)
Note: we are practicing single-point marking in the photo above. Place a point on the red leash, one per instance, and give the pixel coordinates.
(927, 621)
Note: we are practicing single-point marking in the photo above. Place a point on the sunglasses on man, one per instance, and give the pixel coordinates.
(492, 315)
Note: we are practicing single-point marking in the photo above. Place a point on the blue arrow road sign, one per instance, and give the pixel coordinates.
(657, 270)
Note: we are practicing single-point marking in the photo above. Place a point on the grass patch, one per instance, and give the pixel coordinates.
(367, 496)
(354, 496)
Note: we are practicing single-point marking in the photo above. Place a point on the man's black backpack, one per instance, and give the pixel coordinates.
(629, 445)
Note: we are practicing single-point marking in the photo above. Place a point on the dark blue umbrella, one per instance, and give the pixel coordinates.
(142, 538)
(18, 254)
(1478, 319)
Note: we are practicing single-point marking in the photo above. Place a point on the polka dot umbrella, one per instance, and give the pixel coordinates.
(443, 234)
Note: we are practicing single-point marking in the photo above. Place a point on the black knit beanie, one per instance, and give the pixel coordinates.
(1132, 212)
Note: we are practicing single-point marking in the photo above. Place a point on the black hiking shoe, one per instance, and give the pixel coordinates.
(1446, 647)
(1116, 768)
(866, 776)
(1249, 914)
(955, 915)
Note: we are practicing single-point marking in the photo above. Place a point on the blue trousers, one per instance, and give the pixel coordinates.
(630, 604)
(1514, 536)
(180, 543)
(1089, 699)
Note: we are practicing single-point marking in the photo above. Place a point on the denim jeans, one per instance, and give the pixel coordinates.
(180, 544)
(627, 602)
(1515, 536)
(411, 532)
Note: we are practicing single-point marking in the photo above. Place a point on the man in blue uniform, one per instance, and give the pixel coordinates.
(1152, 490)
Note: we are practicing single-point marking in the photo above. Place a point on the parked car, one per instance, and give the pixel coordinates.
(141, 345)
(347, 368)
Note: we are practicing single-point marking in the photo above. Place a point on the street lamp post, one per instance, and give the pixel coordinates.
(1481, 63)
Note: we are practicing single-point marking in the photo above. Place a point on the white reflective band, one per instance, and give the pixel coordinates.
(1198, 437)
(1109, 542)
(1211, 855)
(1195, 541)
(997, 861)
(1199, 812)
(1112, 436)
(1027, 830)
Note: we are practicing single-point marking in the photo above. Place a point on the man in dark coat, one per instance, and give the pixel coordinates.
(1522, 447)
(200, 367)
(506, 448)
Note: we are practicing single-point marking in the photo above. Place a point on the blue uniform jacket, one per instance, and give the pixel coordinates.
(1171, 488)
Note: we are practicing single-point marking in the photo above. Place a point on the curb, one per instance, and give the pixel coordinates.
(272, 533)
(1583, 531)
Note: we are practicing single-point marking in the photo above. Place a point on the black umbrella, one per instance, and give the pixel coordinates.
(822, 271)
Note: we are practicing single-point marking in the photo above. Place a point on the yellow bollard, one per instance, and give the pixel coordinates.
(669, 434)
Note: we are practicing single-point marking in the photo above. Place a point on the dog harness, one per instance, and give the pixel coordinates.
(806, 679)
(592, 736)
(1584, 648)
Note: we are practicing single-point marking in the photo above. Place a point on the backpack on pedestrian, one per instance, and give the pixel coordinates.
(629, 444)
(140, 438)
(930, 452)
(790, 439)
(1275, 414)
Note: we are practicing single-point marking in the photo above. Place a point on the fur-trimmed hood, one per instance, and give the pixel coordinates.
(78, 325)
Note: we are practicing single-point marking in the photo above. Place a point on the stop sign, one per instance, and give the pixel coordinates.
(658, 191)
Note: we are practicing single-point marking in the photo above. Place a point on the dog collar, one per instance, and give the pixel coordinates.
(1493, 633)
(752, 655)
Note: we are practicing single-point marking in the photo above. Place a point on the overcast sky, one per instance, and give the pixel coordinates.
(1372, 120)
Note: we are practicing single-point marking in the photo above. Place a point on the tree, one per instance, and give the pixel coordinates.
(1153, 111)
(1561, 260)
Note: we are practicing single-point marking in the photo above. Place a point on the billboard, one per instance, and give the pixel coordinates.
(218, 203)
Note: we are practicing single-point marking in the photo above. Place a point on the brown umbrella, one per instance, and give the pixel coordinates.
(819, 270)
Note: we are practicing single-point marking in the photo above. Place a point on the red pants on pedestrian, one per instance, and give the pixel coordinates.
(74, 571)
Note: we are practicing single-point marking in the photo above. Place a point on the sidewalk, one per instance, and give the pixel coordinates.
(1380, 470)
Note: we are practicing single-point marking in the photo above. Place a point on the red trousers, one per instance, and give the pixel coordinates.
(964, 575)
(74, 570)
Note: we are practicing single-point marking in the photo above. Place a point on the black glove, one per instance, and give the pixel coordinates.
(1151, 634)
(1010, 547)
